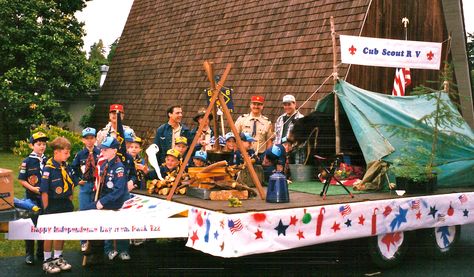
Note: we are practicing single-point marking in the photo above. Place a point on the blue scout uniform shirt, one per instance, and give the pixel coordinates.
(270, 160)
(113, 191)
(164, 137)
(80, 162)
(141, 178)
(31, 170)
(55, 182)
(129, 165)
(239, 159)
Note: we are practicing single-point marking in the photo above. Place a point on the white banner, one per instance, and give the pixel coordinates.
(234, 235)
(390, 52)
(140, 217)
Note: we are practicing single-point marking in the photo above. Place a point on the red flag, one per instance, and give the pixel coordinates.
(402, 79)
(101, 160)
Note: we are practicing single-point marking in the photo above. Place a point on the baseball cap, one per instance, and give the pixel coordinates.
(202, 155)
(257, 99)
(229, 135)
(274, 152)
(173, 153)
(116, 108)
(38, 136)
(88, 132)
(109, 142)
(288, 98)
(128, 135)
(246, 137)
(182, 140)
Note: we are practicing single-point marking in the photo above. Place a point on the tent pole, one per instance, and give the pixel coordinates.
(336, 100)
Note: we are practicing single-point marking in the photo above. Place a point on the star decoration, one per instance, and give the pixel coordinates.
(400, 218)
(216, 235)
(361, 219)
(418, 215)
(433, 211)
(258, 234)
(222, 246)
(293, 220)
(300, 235)
(335, 227)
(348, 222)
(281, 228)
(465, 213)
(391, 239)
(194, 237)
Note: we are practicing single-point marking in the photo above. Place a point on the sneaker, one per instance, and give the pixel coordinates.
(138, 242)
(62, 263)
(29, 260)
(112, 254)
(124, 256)
(50, 267)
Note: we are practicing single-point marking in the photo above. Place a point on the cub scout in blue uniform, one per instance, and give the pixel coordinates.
(247, 141)
(113, 192)
(29, 177)
(134, 147)
(171, 164)
(57, 186)
(84, 165)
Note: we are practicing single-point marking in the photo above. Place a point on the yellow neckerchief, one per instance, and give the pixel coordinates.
(66, 178)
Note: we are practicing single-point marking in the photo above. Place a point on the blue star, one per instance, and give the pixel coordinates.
(466, 213)
(399, 218)
(348, 223)
(216, 235)
(433, 211)
(281, 228)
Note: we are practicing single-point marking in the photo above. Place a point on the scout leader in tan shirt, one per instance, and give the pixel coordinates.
(257, 125)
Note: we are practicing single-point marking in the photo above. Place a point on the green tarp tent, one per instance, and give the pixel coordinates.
(373, 116)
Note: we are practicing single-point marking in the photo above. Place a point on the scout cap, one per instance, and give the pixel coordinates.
(289, 98)
(229, 135)
(109, 142)
(88, 132)
(200, 114)
(128, 135)
(38, 136)
(257, 99)
(274, 152)
(201, 155)
(173, 153)
(182, 140)
(246, 137)
(137, 140)
(116, 108)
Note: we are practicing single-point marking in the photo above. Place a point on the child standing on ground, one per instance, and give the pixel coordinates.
(56, 189)
(84, 165)
(29, 177)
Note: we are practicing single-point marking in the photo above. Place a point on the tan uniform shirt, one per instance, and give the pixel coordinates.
(109, 131)
(264, 130)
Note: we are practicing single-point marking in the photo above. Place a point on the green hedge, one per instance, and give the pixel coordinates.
(23, 149)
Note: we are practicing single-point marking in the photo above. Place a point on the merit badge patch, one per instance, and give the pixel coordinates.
(46, 175)
(109, 184)
(58, 190)
(33, 180)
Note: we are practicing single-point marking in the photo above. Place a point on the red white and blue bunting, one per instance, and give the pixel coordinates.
(234, 235)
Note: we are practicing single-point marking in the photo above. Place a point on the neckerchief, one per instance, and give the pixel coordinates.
(67, 181)
(90, 166)
(39, 158)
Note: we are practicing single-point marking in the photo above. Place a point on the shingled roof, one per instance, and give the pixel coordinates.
(275, 48)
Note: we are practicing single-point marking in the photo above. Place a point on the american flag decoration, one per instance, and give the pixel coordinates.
(345, 210)
(100, 161)
(402, 79)
(415, 204)
(235, 225)
(462, 198)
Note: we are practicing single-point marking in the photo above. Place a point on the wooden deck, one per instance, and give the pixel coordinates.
(297, 200)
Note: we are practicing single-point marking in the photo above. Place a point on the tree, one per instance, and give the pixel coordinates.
(97, 54)
(41, 63)
(113, 47)
(470, 55)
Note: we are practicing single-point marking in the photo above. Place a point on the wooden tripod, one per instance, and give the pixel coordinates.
(216, 95)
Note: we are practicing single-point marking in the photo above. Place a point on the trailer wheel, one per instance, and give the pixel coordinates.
(443, 240)
(387, 250)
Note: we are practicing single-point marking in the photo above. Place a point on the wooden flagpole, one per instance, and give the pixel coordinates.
(336, 100)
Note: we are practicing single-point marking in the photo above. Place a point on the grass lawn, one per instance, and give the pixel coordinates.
(14, 247)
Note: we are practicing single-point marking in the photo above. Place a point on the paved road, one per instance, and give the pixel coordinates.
(349, 258)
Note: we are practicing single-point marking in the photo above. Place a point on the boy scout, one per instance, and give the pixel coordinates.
(57, 186)
(257, 125)
(84, 164)
(171, 164)
(134, 149)
(29, 177)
